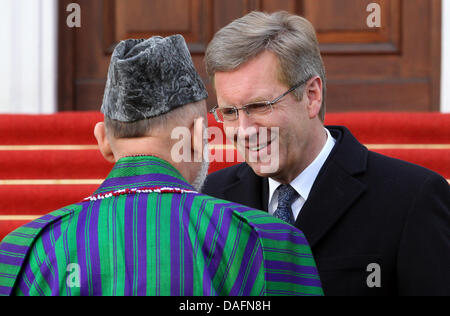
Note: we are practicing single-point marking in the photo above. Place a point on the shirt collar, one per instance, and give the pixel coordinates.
(143, 172)
(305, 180)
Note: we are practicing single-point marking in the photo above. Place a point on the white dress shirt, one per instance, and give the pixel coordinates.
(304, 181)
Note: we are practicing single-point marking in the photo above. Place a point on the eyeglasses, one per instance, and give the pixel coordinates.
(231, 113)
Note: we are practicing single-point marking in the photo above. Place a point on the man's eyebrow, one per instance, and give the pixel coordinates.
(259, 99)
(254, 100)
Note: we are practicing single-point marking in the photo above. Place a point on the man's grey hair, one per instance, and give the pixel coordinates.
(290, 37)
(181, 116)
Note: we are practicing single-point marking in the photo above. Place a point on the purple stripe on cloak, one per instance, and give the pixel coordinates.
(241, 209)
(279, 226)
(57, 231)
(288, 293)
(275, 277)
(282, 265)
(23, 287)
(14, 248)
(28, 274)
(37, 285)
(129, 245)
(206, 248)
(142, 244)
(283, 236)
(197, 224)
(231, 258)
(175, 255)
(251, 243)
(288, 252)
(13, 261)
(56, 281)
(141, 181)
(46, 242)
(36, 225)
(81, 251)
(7, 276)
(256, 265)
(96, 277)
(158, 245)
(5, 290)
(46, 275)
(218, 254)
(56, 234)
(142, 164)
(48, 218)
(66, 247)
(41, 222)
(213, 222)
(114, 245)
(49, 251)
(188, 251)
(21, 235)
(207, 243)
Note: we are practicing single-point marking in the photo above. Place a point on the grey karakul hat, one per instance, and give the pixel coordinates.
(148, 78)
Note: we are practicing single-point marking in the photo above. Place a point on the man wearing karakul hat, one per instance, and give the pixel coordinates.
(146, 230)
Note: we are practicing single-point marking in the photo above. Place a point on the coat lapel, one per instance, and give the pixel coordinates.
(335, 188)
(330, 199)
(249, 190)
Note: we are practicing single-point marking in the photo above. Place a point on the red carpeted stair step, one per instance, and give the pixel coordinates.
(395, 128)
(32, 201)
(40, 199)
(57, 129)
(52, 164)
(436, 160)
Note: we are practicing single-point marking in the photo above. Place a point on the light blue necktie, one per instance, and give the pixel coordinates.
(286, 196)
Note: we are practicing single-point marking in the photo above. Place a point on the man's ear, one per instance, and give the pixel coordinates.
(103, 142)
(197, 129)
(314, 95)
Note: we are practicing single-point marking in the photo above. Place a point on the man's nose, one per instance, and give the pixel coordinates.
(245, 122)
(248, 129)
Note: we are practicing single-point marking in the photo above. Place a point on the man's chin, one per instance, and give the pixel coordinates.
(265, 169)
(264, 162)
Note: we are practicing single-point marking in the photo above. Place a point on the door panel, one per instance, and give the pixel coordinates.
(392, 68)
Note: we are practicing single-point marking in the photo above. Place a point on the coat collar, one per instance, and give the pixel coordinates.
(141, 172)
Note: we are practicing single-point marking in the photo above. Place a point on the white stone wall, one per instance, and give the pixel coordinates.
(28, 56)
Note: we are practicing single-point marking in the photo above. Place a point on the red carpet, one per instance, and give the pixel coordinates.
(56, 129)
(49, 161)
(40, 199)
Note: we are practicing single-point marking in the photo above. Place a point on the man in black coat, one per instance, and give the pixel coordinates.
(376, 225)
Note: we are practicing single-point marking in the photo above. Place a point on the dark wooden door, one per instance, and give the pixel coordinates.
(395, 67)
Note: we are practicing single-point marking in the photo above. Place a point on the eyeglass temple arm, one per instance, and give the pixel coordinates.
(289, 91)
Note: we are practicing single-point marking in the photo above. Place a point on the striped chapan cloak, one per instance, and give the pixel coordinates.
(145, 231)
